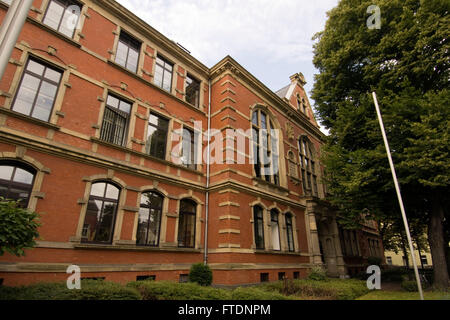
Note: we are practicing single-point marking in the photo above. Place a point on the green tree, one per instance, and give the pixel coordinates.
(18, 228)
(407, 63)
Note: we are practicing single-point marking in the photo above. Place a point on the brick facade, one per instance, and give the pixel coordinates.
(69, 155)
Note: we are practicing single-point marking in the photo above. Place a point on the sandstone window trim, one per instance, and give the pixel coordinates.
(42, 78)
(65, 4)
(105, 199)
(128, 45)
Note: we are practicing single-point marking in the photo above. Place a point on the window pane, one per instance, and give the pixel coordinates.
(98, 189)
(167, 81)
(112, 101)
(124, 106)
(44, 102)
(6, 172)
(112, 192)
(54, 14)
(255, 118)
(133, 58)
(52, 75)
(23, 176)
(121, 54)
(69, 23)
(275, 235)
(141, 237)
(26, 94)
(35, 67)
(105, 224)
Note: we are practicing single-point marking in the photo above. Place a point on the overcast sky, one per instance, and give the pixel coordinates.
(270, 38)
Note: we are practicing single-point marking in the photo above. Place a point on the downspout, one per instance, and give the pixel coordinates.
(208, 159)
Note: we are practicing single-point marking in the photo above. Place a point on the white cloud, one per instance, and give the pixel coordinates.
(271, 38)
(278, 30)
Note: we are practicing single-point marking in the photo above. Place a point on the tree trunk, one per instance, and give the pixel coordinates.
(405, 250)
(437, 245)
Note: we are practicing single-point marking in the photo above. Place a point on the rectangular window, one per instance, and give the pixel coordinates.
(145, 278)
(281, 275)
(296, 275)
(189, 152)
(389, 260)
(158, 129)
(37, 91)
(264, 277)
(192, 91)
(127, 54)
(424, 260)
(63, 16)
(163, 74)
(184, 278)
(115, 120)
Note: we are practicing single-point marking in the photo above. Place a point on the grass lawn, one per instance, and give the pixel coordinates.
(403, 295)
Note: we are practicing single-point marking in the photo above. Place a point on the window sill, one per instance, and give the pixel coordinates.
(283, 253)
(54, 32)
(270, 184)
(117, 247)
(144, 155)
(21, 116)
(136, 76)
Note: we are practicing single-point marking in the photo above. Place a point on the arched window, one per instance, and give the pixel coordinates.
(275, 230)
(265, 148)
(308, 167)
(258, 217)
(101, 213)
(290, 233)
(16, 182)
(186, 224)
(149, 223)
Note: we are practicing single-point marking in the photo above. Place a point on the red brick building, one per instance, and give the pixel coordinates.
(101, 119)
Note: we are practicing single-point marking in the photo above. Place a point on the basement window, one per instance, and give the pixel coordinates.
(145, 278)
(264, 277)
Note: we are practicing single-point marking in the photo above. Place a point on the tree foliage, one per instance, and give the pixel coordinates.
(18, 228)
(407, 63)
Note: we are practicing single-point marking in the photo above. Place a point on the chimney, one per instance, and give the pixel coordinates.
(298, 78)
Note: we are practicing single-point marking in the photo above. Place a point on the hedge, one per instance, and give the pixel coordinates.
(90, 290)
(332, 289)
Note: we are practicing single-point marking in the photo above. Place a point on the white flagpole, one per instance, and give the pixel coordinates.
(11, 27)
(399, 195)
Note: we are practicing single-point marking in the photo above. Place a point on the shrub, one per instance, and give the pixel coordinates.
(334, 289)
(410, 286)
(18, 228)
(165, 290)
(317, 274)
(201, 274)
(255, 293)
(90, 290)
(374, 261)
(394, 275)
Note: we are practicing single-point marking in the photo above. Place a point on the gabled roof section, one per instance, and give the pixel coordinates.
(229, 65)
(283, 92)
